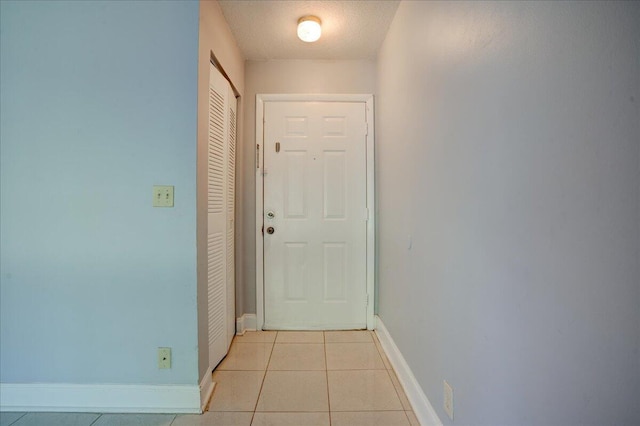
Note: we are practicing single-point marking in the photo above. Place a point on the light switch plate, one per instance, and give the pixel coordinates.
(162, 196)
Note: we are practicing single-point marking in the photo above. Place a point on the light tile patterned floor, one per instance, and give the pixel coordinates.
(331, 378)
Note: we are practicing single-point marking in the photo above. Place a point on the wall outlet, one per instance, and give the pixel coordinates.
(164, 358)
(162, 196)
(448, 399)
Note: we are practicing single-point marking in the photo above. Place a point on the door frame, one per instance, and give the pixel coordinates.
(366, 99)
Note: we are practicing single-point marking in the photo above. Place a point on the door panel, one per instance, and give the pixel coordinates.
(335, 182)
(315, 186)
(295, 184)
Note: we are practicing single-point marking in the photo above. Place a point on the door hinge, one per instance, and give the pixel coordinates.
(366, 214)
(257, 156)
(367, 301)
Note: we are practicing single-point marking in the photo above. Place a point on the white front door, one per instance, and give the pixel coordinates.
(315, 215)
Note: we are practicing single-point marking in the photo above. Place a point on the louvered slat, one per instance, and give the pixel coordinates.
(216, 286)
(215, 185)
(231, 179)
(231, 164)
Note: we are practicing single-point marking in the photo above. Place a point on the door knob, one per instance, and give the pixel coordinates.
(270, 230)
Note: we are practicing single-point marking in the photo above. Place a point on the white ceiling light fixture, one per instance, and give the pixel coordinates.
(309, 28)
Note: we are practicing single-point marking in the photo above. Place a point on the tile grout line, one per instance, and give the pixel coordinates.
(264, 377)
(326, 372)
(100, 415)
(16, 420)
(351, 369)
(407, 416)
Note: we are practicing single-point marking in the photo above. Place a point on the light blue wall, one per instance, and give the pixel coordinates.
(98, 103)
(508, 150)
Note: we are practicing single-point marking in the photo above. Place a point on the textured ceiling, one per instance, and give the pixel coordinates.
(266, 29)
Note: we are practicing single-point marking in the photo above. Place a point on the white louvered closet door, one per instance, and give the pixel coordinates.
(230, 201)
(221, 293)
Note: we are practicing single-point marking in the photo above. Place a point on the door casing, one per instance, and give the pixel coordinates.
(367, 99)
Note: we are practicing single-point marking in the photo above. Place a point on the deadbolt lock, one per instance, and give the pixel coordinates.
(271, 215)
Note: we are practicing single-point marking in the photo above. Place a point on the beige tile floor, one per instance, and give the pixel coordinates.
(330, 378)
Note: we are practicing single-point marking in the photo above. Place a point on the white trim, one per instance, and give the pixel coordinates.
(314, 97)
(247, 322)
(100, 398)
(421, 406)
(259, 211)
(206, 389)
(371, 208)
(360, 98)
(240, 326)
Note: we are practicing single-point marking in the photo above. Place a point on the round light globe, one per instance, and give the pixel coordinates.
(309, 28)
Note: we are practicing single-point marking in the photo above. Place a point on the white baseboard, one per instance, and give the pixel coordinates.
(247, 322)
(422, 408)
(206, 389)
(100, 398)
